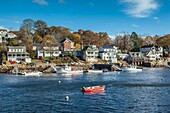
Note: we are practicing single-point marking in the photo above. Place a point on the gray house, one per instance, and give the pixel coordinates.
(90, 53)
(135, 58)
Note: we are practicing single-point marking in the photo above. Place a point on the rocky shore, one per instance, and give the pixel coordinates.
(46, 68)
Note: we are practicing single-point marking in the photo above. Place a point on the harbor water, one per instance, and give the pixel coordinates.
(142, 92)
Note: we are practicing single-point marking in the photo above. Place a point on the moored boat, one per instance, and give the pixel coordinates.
(93, 89)
(67, 70)
(94, 71)
(132, 68)
(34, 73)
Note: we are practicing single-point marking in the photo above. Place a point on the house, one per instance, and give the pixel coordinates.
(152, 52)
(47, 52)
(122, 56)
(135, 58)
(67, 45)
(166, 51)
(90, 53)
(108, 53)
(18, 54)
(5, 35)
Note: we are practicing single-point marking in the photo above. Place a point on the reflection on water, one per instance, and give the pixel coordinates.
(147, 91)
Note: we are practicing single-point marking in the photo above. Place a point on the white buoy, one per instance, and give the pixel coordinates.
(59, 81)
(67, 98)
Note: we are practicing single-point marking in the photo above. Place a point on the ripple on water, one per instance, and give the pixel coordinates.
(148, 91)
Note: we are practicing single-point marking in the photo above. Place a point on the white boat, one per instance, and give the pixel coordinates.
(132, 69)
(67, 70)
(94, 71)
(34, 73)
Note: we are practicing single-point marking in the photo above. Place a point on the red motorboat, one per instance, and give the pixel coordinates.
(93, 89)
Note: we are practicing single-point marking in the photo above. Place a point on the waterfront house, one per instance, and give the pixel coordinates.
(108, 53)
(47, 52)
(135, 58)
(18, 54)
(152, 52)
(90, 53)
(67, 45)
(122, 56)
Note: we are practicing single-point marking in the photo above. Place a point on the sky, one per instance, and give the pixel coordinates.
(145, 17)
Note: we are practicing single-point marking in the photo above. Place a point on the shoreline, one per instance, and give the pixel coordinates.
(47, 69)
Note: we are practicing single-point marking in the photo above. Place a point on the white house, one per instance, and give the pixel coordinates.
(90, 53)
(5, 35)
(48, 52)
(152, 52)
(18, 54)
(108, 53)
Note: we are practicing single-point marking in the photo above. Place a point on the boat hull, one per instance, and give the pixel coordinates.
(70, 72)
(67, 70)
(32, 73)
(93, 89)
(94, 71)
(132, 70)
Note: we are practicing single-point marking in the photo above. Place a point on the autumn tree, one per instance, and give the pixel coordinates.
(163, 41)
(123, 42)
(50, 42)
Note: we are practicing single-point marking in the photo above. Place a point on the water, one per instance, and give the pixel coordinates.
(143, 92)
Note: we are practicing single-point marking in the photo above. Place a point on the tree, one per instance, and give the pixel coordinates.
(37, 38)
(164, 40)
(40, 27)
(14, 42)
(75, 38)
(122, 40)
(136, 40)
(28, 25)
(49, 42)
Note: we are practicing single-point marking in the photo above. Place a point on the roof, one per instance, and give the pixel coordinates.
(65, 40)
(107, 47)
(16, 47)
(89, 48)
(150, 46)
(18, 53)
